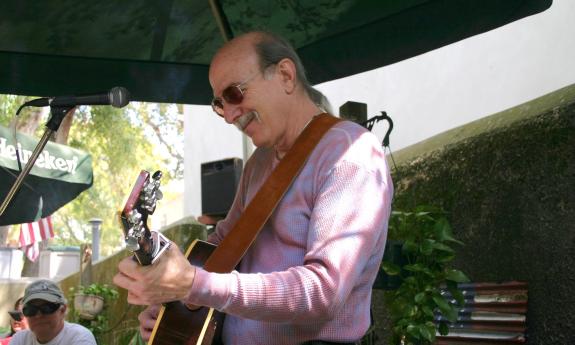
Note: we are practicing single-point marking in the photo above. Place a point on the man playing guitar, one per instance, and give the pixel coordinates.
(307, 276)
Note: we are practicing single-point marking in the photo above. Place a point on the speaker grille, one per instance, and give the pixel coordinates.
(220, 180)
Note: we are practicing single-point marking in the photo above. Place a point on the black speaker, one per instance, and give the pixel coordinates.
(353, 111)
(220, 180)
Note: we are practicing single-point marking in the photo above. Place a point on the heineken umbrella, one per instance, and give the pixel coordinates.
(59, 175)
(160, 50)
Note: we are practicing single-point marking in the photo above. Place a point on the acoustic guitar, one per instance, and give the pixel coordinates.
(176, 324)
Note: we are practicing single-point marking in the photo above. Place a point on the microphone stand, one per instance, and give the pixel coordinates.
(56, 117)
(369, 125)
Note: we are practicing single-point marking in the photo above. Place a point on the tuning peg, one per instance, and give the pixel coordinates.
(157, 175)
(135, 217)
(132, 244)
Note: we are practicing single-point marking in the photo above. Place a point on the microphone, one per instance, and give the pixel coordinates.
(117, 97)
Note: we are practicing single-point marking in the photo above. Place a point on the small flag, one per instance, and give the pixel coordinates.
(32, 251)
(31, 234)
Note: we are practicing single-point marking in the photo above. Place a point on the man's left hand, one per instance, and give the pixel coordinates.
(168, 279)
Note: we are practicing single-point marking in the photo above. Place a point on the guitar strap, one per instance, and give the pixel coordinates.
(233, 247)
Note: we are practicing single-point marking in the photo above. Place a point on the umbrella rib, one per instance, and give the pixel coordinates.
(160, 30)
(221, 20)
(24, 183)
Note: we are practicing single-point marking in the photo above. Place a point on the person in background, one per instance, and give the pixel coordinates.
(307, 278)
(17, 321)
(44, 308)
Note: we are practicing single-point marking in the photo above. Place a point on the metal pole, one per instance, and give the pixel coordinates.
(95, 223)
(227, 34)
(26, 170)
(57, 114)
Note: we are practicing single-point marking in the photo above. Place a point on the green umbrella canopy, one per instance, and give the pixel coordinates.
(59, 175)
(161, 50)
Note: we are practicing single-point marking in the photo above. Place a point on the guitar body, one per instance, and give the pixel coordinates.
(176, 324)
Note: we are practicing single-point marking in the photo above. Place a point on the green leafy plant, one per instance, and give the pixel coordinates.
(4, 330)
(98, 325)
(137, 339)
(109, 293)
(427, 252)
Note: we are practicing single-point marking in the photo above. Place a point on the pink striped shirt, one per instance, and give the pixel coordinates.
(309, 273)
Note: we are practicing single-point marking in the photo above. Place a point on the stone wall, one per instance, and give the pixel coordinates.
(508, 184)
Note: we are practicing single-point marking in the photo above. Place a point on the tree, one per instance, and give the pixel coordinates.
(122, 142)
(30, 119)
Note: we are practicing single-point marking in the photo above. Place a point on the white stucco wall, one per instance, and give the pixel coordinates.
(207, 138)
(467, 80)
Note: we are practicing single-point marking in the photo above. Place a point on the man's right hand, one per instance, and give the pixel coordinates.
(147, 320)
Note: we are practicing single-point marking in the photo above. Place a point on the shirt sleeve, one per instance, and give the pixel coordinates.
(349, 219)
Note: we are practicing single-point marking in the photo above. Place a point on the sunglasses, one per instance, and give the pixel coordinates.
(45, 309)
(15, 315)
(233, 94)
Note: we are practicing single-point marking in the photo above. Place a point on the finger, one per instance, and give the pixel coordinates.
(154, 310)
(138, 294)
(145, 333)
(128, 266)
(136, 300)
(147, 318)
(123, 281)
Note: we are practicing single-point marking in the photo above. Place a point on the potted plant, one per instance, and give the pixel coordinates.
(426, 253)
(89, 307)
(89, 300)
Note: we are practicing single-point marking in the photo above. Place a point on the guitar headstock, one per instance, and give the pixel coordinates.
(141, 203)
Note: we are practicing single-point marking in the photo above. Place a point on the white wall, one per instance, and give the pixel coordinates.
(58, 264)
(11, 263)
(207, 138)
(427, 94)
(467, 80)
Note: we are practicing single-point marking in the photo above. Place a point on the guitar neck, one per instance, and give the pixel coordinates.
(141, 202)
(143, 255)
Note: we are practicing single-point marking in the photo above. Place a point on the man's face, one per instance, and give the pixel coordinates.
(45, 319)
(254, 115)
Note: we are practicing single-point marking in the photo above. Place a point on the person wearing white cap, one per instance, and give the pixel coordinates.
(45, 309)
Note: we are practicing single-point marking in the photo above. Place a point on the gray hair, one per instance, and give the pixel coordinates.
(271, 49)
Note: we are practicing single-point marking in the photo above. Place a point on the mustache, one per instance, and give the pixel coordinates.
(242, 122)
